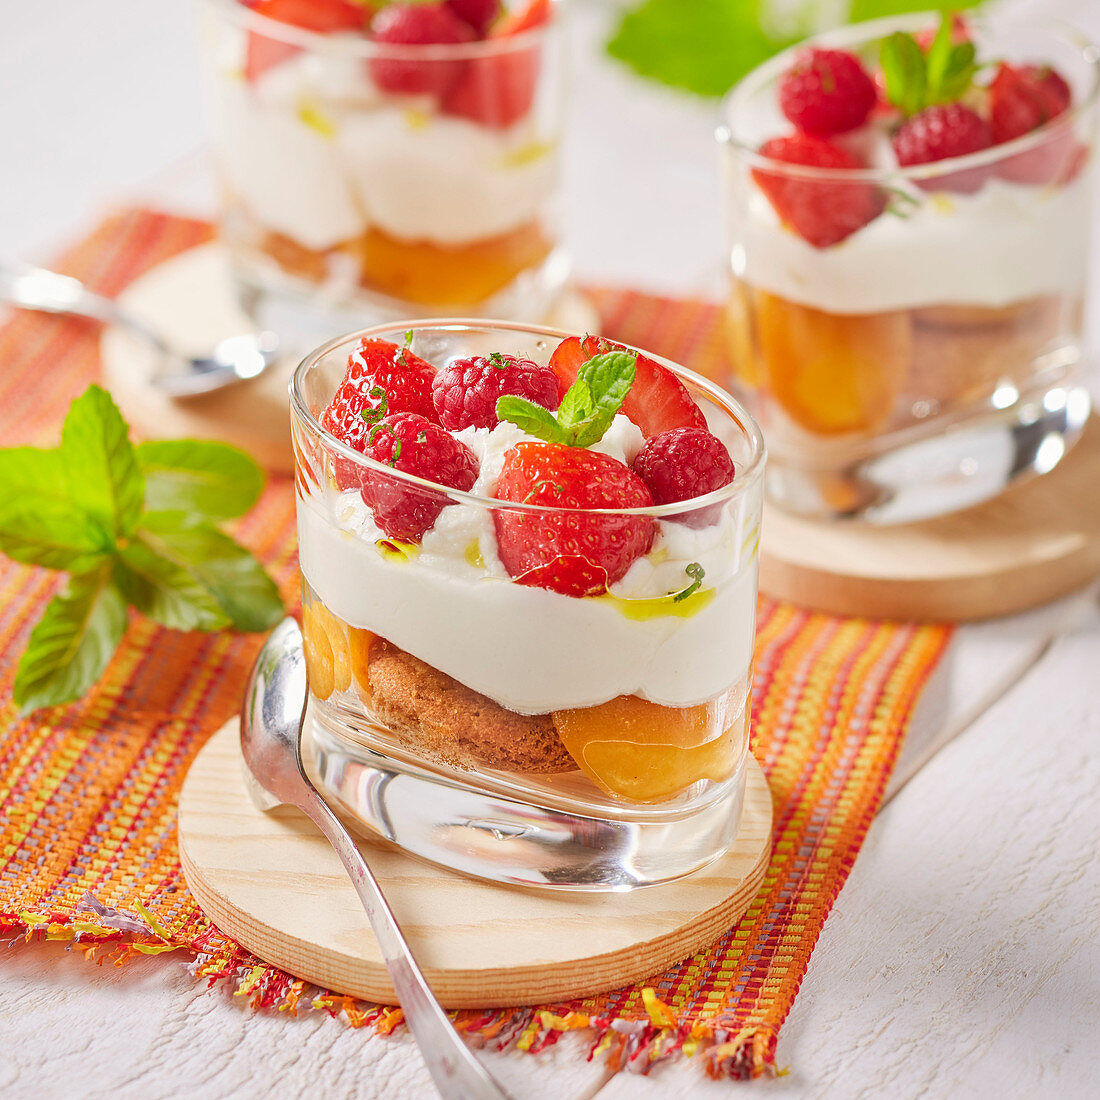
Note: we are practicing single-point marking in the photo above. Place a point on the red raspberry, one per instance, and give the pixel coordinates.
(822, 212)
(465, 391)
(405, 382)
(683, 464)
(414, 445)
(478, 14)
(568, 551)
(827, 92)
(417, 25)
(938, 133)
(1021, 99)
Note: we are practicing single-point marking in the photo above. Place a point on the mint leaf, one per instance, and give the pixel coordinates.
(232, 576)
(586, 410)
(165, 590)
(903, 66)
(704, 46)
(72, 643)
(532, 418)
(916, 79)
(198, 476)
(102, 471)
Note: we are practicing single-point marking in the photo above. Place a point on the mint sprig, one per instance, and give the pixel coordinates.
(916, 80)
(133, 526)
(586, 410)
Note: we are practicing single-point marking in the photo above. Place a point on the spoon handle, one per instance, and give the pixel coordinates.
(456, 1072)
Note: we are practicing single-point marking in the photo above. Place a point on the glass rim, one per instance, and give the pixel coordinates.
(318, 42)
(867, 31)
(746, 475)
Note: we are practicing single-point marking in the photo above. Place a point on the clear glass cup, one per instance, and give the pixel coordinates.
(934, 356)
(509, 731)
(365, 182)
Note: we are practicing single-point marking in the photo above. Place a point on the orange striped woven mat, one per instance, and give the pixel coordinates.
(88, 791)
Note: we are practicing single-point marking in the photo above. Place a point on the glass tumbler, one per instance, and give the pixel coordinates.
(363, 181)
(933, 356)
(514, 732)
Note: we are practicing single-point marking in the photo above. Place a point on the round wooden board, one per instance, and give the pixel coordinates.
(191, 299)
(272, 882)
(1037, 541)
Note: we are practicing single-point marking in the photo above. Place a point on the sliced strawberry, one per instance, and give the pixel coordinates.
(657, 401)
(498, 90)
(321, 16)
(479, 14)
(570, 550)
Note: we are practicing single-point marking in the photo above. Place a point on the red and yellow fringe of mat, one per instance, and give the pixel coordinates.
(88, 792)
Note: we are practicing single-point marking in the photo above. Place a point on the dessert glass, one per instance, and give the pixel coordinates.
(344, 203)
(512, 732)
(934, 356)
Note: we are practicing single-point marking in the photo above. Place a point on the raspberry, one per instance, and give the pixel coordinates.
(683, 464)
(822, 212)
(417, 25)
(414, 445)
(567, 551)
(1021, 99)
(405, 382)
(939, 133)
(465, 391)
(827, 92)
(477, 14)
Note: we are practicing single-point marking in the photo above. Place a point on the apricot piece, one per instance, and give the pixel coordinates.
(318, 653)
(832, 372)
(641, 752)
(359, 644)
(330, 643)
(420, 271)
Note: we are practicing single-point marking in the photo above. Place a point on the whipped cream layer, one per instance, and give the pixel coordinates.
(529, 649)
(319, 155)
(1006, 243)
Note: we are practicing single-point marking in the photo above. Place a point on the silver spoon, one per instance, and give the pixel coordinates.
(232, 360)
(271, 728)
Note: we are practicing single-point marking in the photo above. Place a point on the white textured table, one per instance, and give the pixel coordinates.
(963, 956)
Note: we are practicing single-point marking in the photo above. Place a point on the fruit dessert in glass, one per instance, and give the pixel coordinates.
(385, 159)
(529, 589)
(908, 207)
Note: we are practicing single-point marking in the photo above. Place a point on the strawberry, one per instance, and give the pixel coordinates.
(568, 551)
(498, 90)
(1021, 99)
(827, 92)
(657, 399)
(683, 464)
(821, 212)
(466, 391)
(940, 133)
(381, 378)
(414, 445)
(321, 16)
(477, 14)
(417, 25)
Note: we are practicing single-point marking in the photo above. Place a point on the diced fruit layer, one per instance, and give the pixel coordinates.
(832, 372)
(642, 752)
(657, 402)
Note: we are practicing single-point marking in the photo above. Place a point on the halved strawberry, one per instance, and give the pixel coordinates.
(657, 401)
(322, 16)
(498, 90)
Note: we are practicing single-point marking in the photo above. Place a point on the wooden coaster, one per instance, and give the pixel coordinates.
(1037, 541)
(191, 299)
(272, 882)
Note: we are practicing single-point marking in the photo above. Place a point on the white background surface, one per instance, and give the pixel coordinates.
(963, 956)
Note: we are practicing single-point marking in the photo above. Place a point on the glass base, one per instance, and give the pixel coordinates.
(920, 474)
(305, 314)
(478, 832)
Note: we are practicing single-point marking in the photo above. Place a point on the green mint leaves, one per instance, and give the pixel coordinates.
(133, 526)
(706, 46)
(586, 410)
(915, 79)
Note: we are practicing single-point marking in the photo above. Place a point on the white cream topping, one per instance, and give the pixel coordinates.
(319, 154)
(530, 649)
(1005, 243)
